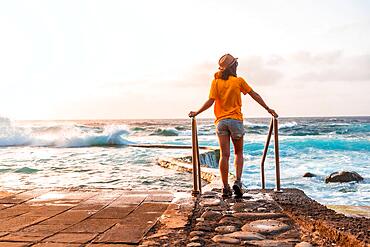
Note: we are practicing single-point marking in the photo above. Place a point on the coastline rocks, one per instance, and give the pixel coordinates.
(271, 243)
(303, 244)
(309, 175)
(256, 216)
(225, 229)
(343, 176)
(211, 215)
(210, 202)
(246, 235)
(230, 220)
(225, 240)
(196, 233)
(245, 207)
(194, 244)
(266, 227)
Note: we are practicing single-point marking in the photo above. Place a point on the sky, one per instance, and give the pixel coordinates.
(156, 59)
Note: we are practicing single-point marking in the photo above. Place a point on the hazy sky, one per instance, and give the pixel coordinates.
(156, 59)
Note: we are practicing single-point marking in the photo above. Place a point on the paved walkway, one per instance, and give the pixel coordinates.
(101, 217)
(112, 217)
(259, 218)
(254, 220)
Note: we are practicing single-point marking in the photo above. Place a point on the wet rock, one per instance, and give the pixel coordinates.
(217, 208)
(303, 244)
(261, 209)
(209, 194)
(196, 233)
(179, 243)
(343, 177)
(149, 243)
(305, 237)
(159, 234)
(194, 239)
(291, 234)
(266, 227)
(203, 228)
(210, 202)
(207, 224)
(245, 206)
(225, 240)
(255, 216)
(194, 244)
(225, 229)
(309, 175)
(197, 239)
(230, 220)
(246, 235)
(228, 213)
(211, 215)
(271, 243)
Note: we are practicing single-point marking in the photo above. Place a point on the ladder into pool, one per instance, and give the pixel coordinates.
(197, 186)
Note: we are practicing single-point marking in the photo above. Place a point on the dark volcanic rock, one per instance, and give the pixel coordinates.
(315, 218)
(344, 176)
(309, 175)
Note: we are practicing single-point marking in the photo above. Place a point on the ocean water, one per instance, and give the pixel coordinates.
(96, 153)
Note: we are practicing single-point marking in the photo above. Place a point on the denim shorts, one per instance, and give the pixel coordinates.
(230, 127)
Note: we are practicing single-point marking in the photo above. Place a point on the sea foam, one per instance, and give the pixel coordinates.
(68, 135)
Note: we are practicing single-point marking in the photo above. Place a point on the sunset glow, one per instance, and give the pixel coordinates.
(156, 59)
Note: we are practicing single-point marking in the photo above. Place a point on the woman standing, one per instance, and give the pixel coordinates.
(225, 91)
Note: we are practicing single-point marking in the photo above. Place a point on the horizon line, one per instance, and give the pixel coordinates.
(202, 118)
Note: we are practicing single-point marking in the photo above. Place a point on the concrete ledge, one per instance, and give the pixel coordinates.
(208, 174)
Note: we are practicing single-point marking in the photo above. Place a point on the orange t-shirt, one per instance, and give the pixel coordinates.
(226, 93)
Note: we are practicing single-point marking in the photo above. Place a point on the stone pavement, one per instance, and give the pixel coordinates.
(60, 217)
(112, 217)
(259, 218)
(253, 220)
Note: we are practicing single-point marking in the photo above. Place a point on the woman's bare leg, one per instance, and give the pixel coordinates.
(238, 160)
(224, 141)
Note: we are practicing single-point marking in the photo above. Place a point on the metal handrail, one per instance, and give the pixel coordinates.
(273, 127)
(197, 183)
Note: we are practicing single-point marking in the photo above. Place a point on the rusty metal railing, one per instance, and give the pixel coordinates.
(273, 127)
(197, 183)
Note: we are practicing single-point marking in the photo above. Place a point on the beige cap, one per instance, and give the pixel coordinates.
(226, 61)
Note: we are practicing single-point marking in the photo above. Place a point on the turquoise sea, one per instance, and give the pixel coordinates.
(95, 153)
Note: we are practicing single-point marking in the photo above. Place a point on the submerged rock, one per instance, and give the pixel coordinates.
(343, 176)
(309, 175)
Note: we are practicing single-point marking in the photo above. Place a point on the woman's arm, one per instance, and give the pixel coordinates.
(260, 101)
(205, 106)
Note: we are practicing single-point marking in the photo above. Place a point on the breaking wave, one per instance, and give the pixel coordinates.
(165, 132)
(61, 135)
